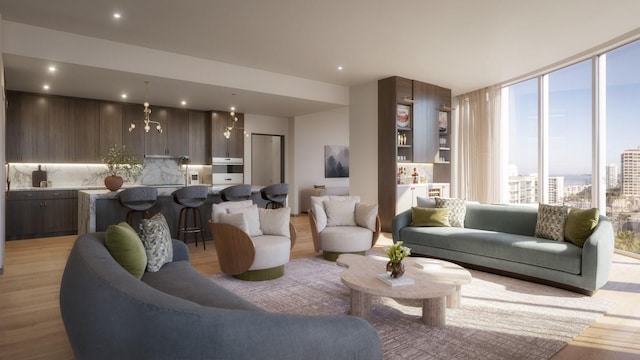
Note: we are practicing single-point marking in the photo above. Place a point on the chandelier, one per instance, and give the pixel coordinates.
(147, 112)
(227, 130)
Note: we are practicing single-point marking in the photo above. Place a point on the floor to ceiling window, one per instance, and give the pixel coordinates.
(565, 142)
(623, 144)
(523, 142)
(569, 136)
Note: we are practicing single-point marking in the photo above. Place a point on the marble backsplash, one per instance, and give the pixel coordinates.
(156, 172)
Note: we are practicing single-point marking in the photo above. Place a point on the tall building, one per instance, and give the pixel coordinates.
(630, 160)
(612, 176)
(556, 190)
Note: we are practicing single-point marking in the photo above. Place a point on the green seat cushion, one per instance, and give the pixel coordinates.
(126, 248)
(429, 216)
(580, 224)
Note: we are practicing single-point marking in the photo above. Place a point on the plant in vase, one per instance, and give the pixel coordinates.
(396, 253)
(120, 163)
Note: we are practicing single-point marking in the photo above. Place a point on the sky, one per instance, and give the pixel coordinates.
(570, 107)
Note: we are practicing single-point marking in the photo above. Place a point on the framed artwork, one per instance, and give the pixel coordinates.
(403, 116)
(336, 161)
(443, 122)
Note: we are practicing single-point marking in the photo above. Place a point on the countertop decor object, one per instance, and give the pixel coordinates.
(396, 253)
(119, 162)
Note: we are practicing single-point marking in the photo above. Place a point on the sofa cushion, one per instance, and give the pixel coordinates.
(237, 220)
(271, 251)
(519, 220)
(275, 221)
(580, 224)
(429, 216)
(346, 239)
(551, 254)
(340, 213)
(253, 218)
(126, 248)
(457, 210)
(366, 215)
(181, 280)
(425, 202)
(156, 237)
(550, 223)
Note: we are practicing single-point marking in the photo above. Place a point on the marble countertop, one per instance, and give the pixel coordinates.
(163, 190)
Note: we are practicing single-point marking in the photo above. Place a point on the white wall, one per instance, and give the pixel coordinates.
(312, 133)
(363, 137)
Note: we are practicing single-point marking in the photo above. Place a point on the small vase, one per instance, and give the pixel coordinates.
(395, 269)
(113, 182)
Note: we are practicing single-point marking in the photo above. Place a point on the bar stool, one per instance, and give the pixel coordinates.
(138, 200)
(236, 192)
(275, 194)
(191, 198)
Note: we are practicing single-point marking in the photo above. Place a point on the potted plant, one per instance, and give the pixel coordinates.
(396, 253)
(120, 163)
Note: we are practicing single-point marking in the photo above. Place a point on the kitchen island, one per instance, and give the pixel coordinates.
(97, 209)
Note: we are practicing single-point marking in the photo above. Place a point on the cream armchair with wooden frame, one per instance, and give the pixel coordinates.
(252, 243)
(341, 224)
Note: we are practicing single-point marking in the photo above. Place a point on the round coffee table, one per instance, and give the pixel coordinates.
(435, 282)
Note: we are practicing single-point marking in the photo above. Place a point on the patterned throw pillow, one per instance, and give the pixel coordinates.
(550, 223)
(156, 237)
(457, 210)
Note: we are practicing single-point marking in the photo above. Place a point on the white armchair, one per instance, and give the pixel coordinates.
(252, 243)
(341, 224)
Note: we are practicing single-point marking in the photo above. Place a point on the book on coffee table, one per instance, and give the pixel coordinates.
(428, 264)
(404, 280)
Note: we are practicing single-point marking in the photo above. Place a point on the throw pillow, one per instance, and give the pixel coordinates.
(217, 209)
(275, 221)
(366, 215)
(429, 216)
(126, 248)
(425, 202)
(321, 217)
(580, 224)
(550, 223)
(156, 237)
(237, 220)
(252, 216)
(340, 213)
(319, 187)
(457, 210)
(319, 200)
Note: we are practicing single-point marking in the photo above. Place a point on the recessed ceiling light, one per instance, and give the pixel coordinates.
(45, 86)
(52, 69)
(183, 102)
(124, 96)
(340, 67)
(117, 15)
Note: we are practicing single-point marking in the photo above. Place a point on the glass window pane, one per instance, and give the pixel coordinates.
(570, 135)
(523, 142)
(623, 141)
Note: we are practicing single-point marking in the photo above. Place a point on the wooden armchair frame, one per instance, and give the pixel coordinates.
(235, 247)
(316, 235)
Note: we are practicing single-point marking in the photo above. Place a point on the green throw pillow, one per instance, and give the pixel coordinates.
(580, 223)
(430, 216)
(126, 248)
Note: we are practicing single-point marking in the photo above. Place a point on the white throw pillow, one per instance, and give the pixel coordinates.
(319, 200)
(252, 216)
(321, 217)
(275, 221)
(340, 213)
(156, 238)
(237, 220)
(217, 209)
(366, 215)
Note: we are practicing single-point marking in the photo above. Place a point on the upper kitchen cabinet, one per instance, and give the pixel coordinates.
(177, 132)
(133, 140)
(85, 124)
(232, 147)
(27, 127)
(110, 119)
(199, 138)
(155, 143)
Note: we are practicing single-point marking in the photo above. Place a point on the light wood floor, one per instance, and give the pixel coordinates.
(31, 327)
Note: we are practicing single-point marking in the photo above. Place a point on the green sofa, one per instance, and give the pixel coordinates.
(500, 238)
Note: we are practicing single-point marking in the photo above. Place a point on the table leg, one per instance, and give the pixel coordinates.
(433, 311)
(454, 300)
(360, 304)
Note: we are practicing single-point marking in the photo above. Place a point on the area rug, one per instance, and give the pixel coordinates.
(500, 317)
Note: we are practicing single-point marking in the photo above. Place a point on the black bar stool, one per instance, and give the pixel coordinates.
(138, 200)
(275, 194)
(191, 198)
(236, 192)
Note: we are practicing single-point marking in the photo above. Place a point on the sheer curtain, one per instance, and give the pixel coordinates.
(478, 167)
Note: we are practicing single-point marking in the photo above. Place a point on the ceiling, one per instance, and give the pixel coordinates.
(459, 44)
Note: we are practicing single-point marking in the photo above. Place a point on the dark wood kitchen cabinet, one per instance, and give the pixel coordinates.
(177, 132)
(34, 214)
(199, 138)
(27, 128)
(133, 140)
(85, 124)
(110, 119)
(234, 145)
